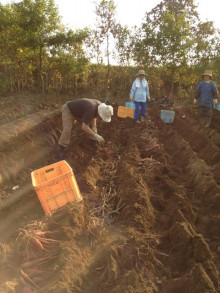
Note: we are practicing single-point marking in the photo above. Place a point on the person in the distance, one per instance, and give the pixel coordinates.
(139, 94)
(206, 97)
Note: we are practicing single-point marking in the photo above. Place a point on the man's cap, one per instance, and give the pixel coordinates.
(105, 112)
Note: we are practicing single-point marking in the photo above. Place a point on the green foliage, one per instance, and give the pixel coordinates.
(37, 52)
(37, 21)
(30, 34)
(124, 45)
(106, 24)
(173, 37)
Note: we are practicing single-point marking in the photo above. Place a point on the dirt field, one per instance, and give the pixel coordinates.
(148, 221)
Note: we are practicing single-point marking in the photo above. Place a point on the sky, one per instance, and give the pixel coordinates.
(77, 14)
(80, 13)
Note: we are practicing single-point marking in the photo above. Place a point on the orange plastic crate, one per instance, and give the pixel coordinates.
(124, 112)
(55, 186)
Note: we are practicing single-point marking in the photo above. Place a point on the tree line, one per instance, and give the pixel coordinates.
(39, 54)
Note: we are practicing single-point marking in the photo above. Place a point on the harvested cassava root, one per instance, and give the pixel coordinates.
(39, 251)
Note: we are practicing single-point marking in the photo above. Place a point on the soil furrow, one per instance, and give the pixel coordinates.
(149, 219)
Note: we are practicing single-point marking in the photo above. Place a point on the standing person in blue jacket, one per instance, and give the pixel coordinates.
(206, 97)
(139, 94)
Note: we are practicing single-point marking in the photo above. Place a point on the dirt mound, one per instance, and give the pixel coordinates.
(148, 222)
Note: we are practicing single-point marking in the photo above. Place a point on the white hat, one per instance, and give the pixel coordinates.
(141, 72)
(105, 112)
(207, 72)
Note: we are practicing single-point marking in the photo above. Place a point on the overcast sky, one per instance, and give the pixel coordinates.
(80, 13)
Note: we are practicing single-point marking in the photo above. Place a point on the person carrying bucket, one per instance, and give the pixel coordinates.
(139, 94)
(206, 97)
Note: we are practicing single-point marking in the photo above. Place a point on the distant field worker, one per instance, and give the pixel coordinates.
(85, 111)
(139, 94)
(206, 97)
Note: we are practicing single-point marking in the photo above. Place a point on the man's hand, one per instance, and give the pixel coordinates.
(195, 101)
(216, 101)
(148, 98)
(131, 98)
(99, 138)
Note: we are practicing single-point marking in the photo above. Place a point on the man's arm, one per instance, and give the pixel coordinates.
(196, 97)
(147, 91)
(215, 97)
(197, 93)
(215, 93)
(132, 91)
(93, 124)
(87, 129)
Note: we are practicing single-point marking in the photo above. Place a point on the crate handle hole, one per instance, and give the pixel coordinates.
(49, 170)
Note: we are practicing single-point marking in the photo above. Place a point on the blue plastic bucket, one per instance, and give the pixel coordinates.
(130, 104)
(167, 116)
(218, 107)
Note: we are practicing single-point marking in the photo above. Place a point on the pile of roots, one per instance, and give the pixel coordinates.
(39, 249)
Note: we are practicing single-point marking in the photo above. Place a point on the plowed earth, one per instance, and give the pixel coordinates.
(148, 221)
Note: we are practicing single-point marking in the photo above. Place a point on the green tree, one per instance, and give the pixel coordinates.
(124, 43)
(143, 45)
(173, 36)
(94, 44)
(9, 49)
(204, 42)
(30, 34)
(106, 25)
(67, 61)
(37, 20)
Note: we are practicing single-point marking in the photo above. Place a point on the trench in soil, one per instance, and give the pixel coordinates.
(149, 218)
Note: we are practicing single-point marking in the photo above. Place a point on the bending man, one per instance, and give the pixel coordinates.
(85, 111)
